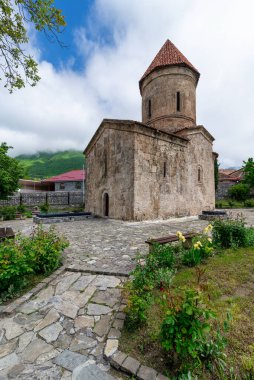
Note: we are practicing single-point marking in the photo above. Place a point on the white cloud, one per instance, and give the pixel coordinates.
(65, 109)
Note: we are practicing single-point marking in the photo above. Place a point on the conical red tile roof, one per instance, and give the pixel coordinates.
(168, 55)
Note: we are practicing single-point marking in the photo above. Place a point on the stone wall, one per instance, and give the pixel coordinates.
(166, 176)
(160, 88)
(62, 198)
(110, 171)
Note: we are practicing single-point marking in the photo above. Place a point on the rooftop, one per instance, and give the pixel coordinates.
(73, 175)
(168, 55)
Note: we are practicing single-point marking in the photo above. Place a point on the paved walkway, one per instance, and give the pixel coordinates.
(60, 333)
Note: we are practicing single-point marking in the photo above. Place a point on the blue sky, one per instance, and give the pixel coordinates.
(77, 15)
(110, 43)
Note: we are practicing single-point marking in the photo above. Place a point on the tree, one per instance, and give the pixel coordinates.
(248, 169)
(240, 191)
(10, 172)
(17, 66)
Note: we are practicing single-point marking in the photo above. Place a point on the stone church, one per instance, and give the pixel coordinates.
(160, 167)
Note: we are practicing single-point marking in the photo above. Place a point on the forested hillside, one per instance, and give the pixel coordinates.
(43, 164)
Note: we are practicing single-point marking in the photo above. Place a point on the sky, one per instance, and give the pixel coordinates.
(108, 46)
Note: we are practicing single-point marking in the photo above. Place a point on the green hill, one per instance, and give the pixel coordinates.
(43, 164)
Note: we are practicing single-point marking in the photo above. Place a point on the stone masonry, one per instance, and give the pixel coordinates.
(159, 168)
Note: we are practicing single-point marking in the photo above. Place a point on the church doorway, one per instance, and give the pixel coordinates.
(106, 204)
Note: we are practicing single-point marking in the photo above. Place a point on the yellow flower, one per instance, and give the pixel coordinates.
(180, 236)
(197, 245)
(208, 229)
(210, 240)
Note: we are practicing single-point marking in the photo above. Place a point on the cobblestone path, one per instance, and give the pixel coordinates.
(60, 332)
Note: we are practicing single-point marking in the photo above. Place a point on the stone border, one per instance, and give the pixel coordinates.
(105, 272)
(9, 309)
(121, 361)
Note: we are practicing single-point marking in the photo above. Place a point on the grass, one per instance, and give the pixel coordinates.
(228, 203)
(228, 283)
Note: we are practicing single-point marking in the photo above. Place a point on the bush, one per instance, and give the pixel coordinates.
(13, 265)
(249, 203)
(186, 325)
(230, 233)
(43, 249)
(40, 253)
(136, 309)
(240, 192)
(21, 209)
(192, 257)
(8, 212)
(44, 208)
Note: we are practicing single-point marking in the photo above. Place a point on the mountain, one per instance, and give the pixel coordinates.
(44, 164)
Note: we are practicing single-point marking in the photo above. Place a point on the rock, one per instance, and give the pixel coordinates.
(15, 371)
(90, 372)
(12, 329)
(8, 362)
(70, 360)
(161, 377)
(80, 299)
(95, 309)
(63, 341)
(82, 282)
(50, 333)
(114, 333)
(36, 348)
(83, 322)
(24, 340)
(117, 359)
(66, 282)
(41, 372)
(31, 306)
(102, 327)
(67, 308)
(45, 357)
(118, 324)
(130, 365)
(82, 342)
(146, 373)
(7, 348)
(45, 294)
(107, 281)
(50, 318)
(108, 297)
(111, 347)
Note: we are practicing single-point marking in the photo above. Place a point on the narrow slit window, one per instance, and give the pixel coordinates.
(106, 164)
(199, 175)
(178, 101)
(164, 169)
(149, 108)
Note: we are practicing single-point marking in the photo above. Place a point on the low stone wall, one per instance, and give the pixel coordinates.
(59, 198)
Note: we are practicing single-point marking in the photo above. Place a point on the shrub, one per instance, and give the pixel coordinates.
(240, 192)
(162, 256)
(13, 265)
(8, 212)
(230, 233)
(136, 309)
(21, 209)
(44, 208)
(249, 203)
(43, 249)
(192, 257)
(40, 253)
(186, 325)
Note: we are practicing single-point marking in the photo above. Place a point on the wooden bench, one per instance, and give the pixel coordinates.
(6, 233)
(170, 239)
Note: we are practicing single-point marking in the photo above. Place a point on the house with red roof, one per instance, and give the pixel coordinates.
(159, 167)
(70, 181)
